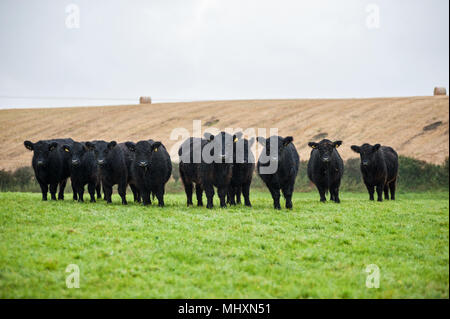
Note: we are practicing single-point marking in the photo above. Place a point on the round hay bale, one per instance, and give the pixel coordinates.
(440, 91)
(145, 100)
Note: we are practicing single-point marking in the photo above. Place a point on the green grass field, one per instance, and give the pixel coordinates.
(315, 251)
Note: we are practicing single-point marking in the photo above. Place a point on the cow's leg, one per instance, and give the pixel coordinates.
(91, 190)
(334, 191)
(222, 192)
(44, 190)
(230, 195)
(392, 186)
(53, 188)
(122, 190)
(336, 195)
(188, 190)
(136, 195)
(321, 190)
(238, 194)
(246, 194)
(380, 188)
(160, 195)
(80, 190)
(98, 189)
(145, 194)
(276, 197)
(62, 186)
(209, 191)
(199, 193)
(107, 190)
(370, 189)
(287, 192)
(386, 191)
(74, 190)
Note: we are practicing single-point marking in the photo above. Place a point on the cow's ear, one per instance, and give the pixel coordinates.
(90, 146)
(313, 144)
(131, 146)
(66, 148)
(52, 146)
(112, 144)
(355, 149)
(287, 140)
(29, 145)
(337, 144)
(376, 147)
(261, 140)
(156, 146)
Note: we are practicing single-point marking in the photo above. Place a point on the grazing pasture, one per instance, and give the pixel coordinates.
(315, 250)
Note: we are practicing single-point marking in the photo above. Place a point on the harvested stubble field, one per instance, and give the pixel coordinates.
(414, 126)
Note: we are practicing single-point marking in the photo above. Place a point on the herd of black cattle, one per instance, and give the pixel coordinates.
(146, 167)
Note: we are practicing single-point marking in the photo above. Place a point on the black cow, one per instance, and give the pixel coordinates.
(243, 167)
(189, 167)
(83, 170)
(278, 166)
(112, 159)
(214, 156)
(325, 168)
(217, 173)
(379, 168)
(50, 165)
(151, 169)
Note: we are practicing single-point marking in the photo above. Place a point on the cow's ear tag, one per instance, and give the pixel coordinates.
(235, 139)
(67, 150)
(156, 149)
(314, 146)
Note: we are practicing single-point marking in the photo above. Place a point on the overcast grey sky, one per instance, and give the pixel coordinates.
(181, 50)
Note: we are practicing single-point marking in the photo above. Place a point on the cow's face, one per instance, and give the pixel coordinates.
(275, 146)
(144, 152)
(325, 148)
(41, 151)
(101, 150)
(367, 153)
(222, 146)
(242, 149)
(76, 151)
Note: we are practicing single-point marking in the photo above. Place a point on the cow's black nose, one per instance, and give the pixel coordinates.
(326, 159)
(40, 163)
(101, 162)
(75, 162)
(365, 163)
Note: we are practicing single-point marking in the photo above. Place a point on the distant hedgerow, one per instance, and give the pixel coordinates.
(414, 175)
